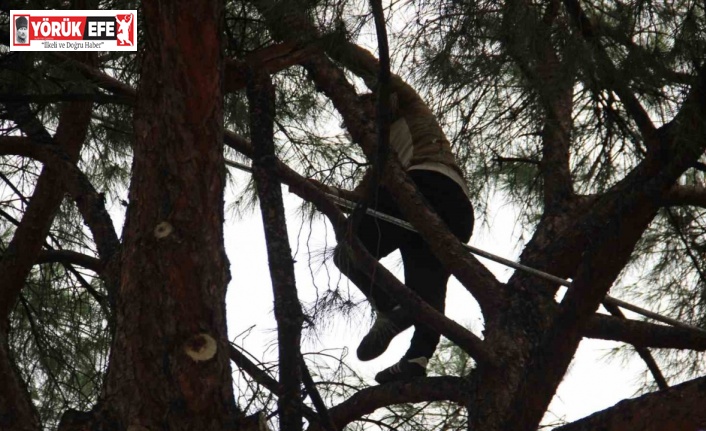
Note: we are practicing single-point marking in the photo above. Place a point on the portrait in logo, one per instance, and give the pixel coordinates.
(21, 30)
(126, 32)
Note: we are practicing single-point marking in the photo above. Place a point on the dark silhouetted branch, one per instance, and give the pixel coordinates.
(677, 408)
(288, 311)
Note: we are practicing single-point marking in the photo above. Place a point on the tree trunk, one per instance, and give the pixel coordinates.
(169, 366)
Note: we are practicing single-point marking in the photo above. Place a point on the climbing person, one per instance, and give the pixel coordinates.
(425, 153)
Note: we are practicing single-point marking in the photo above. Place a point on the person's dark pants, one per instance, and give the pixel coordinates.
(423, 272)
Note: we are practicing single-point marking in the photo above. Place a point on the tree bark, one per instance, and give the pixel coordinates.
(169, 367)
(677, 408)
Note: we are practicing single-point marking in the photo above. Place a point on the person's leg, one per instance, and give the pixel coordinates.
(380, 238)
(428, 278)
(377, 298)
(425, 274)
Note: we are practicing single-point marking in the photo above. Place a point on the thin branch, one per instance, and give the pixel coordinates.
(695, 261)
(14, 188)
(262, 378)
(315, 396)
(500, 160)
(368, 400)
(642, 351)
(382, 120)
(95, 75)
(69, 257)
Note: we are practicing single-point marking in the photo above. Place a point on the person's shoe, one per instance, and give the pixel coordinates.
(405, 369)
(385, 328)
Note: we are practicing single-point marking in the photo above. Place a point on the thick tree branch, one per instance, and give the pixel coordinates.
(685, 196)
(644, 334)
(270, 59)
(600, 266)
(68, 257)
(239, 144)
(677, 408)
(288, 311)
(560, 247)
(624, 213)
(26, 120)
